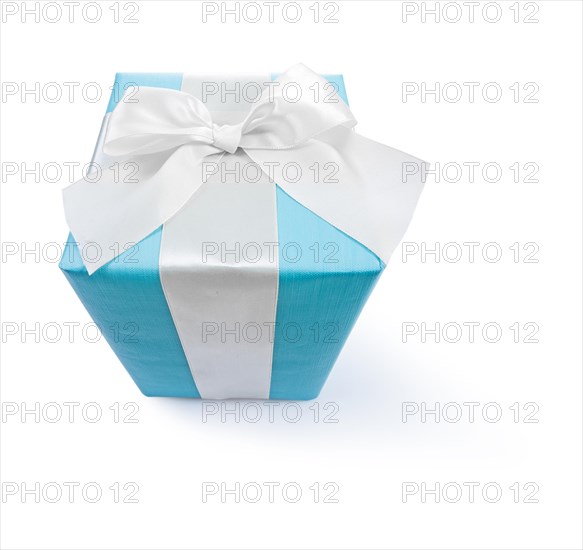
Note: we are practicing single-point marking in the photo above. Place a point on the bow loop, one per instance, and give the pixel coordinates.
(151, 120)
(300, 108)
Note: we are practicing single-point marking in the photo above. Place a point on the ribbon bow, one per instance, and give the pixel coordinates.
(168, 134)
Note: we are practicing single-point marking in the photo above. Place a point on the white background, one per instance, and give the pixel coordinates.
(370, 452)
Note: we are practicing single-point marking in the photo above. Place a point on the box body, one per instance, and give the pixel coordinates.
(320, 295)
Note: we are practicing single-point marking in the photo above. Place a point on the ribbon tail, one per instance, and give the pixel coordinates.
(366, 189)
(127, 200)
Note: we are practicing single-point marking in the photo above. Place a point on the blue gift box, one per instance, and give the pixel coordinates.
(320, 295)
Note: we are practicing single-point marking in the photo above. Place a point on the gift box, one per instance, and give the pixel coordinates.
(249, 287)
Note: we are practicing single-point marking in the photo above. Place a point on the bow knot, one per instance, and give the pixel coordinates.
(227, 137)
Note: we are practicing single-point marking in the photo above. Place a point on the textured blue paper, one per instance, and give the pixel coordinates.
(322, 297)
(319, 298)
(126, 300)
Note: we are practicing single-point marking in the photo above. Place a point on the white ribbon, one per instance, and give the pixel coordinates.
(169, 135)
